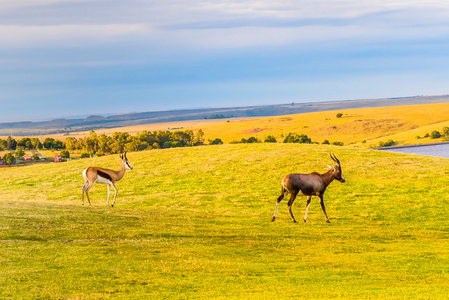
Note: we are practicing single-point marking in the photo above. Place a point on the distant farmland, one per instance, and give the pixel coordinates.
(364, 127)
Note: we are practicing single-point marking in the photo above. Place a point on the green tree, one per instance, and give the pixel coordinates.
(58, 145)
(11, 143)
(186, 138)
(19, 153)
(48, 143)
(388, 143)
(118, 141)
(145, 136)
(25, 143)
(36, 143)
(339, 115)
(435, 134)
(8, 159)
(71, 144)
(136, 145)
(337, 143)
(295, 138)
(445, 131)
(163, 136)
(103, 143)
(217, 141)
(90, 143)
(252, 140)
(65, 154)
(199, 138)
(270, 139)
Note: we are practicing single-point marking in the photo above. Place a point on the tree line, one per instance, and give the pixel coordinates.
(290, 138)
(98, 144)
(101, 144)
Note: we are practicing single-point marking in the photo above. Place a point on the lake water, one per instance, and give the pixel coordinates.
(441, 150)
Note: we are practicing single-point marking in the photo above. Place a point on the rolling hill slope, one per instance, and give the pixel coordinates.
(372, 125)
(195, 223)
(402, 123)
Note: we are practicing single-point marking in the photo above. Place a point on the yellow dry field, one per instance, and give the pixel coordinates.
(363, 127)
(179, 125)
(400, 123)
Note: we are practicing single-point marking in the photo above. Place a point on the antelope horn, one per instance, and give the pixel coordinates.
(334, 158)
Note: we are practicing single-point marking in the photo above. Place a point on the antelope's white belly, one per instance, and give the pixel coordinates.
(103, 180)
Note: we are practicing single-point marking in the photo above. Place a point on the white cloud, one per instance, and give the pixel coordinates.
(213, 24)
(67, 35)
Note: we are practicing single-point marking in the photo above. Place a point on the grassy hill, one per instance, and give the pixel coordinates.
(372, 125)
(195, 223)
(361, 127)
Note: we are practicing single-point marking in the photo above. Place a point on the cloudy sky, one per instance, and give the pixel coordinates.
(62, 58)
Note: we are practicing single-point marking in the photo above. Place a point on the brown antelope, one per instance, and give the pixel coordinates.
(106, 176)
(313, 184)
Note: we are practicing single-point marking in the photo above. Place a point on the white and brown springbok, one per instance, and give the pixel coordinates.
(313, 184)
(106, 176)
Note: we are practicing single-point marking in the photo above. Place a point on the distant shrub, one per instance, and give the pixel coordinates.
(388, 143)
(417, 137)
(326, 142)
(65, 154)
(217, 141)
(445, 131)
(364, 142)
(251, 140)
(84, 155)
(338, 143)
(339, 115)
(270, 139)
(172, 144)
(435, 134)
(35, 157)
(297, 138)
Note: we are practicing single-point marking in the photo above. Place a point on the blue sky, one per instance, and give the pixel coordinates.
(63, 58)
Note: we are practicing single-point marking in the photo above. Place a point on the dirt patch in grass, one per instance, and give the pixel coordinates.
(254, 130)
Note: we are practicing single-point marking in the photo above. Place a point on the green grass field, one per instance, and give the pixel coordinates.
(195, 223)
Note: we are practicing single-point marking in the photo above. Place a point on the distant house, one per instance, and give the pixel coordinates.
(42, 158)
(58, 158)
